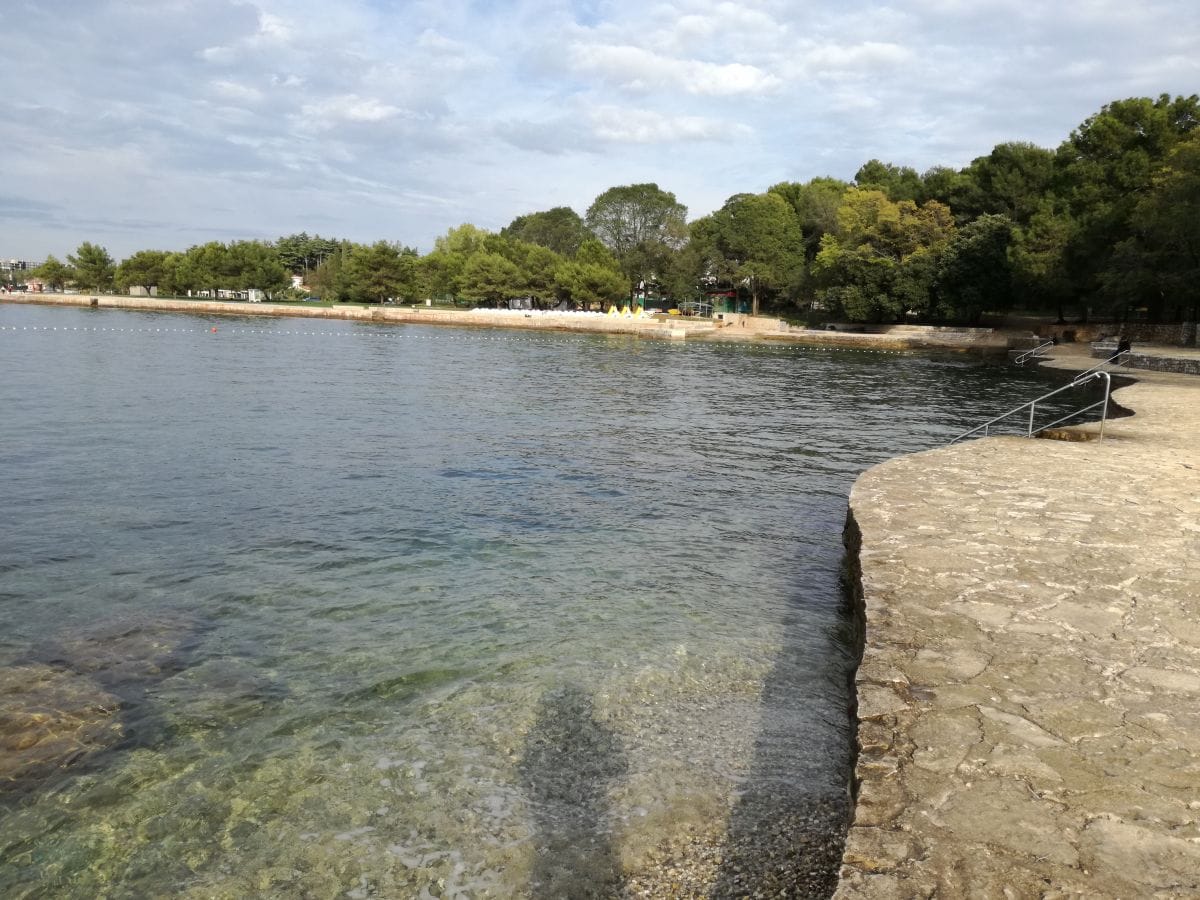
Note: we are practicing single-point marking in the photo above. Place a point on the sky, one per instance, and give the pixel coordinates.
(159, 124)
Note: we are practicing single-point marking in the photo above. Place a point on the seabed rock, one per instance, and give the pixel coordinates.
(49, 720)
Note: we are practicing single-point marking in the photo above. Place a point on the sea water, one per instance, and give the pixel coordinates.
(338, 609)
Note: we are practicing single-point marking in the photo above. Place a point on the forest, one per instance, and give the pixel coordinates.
(1105, 225)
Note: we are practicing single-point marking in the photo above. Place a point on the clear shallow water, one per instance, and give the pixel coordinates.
(416, 612)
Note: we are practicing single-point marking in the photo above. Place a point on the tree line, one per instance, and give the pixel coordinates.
(1107, 223)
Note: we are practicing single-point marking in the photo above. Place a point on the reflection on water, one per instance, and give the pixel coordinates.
(403, 612)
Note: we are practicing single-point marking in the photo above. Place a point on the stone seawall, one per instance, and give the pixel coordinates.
(742, 328)
(397, 315)
(1029, 691)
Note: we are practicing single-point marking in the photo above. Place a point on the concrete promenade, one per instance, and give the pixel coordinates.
(1029, 695)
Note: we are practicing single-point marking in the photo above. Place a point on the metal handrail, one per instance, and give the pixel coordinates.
(1032, 354)
(1100, 365)
(1032, 407)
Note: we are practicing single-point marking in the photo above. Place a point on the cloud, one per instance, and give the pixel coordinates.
(642, 126)
(348, 108)
(232, 90)
(638, 70)
(865, 59)
(163, 120)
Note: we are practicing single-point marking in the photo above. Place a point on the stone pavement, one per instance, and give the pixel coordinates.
(1029, 695)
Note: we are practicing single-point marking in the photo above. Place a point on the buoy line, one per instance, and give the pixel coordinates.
(408, 334)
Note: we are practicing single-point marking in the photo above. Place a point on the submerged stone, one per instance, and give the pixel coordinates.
(125, 651)
(50, 719)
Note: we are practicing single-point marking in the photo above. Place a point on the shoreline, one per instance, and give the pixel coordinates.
(1027, 689)
(741, 328)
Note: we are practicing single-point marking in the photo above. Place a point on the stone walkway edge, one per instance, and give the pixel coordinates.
(1028, 701)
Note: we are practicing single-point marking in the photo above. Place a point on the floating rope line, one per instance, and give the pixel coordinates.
(407, 334)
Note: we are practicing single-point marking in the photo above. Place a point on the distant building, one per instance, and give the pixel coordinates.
(10, 268)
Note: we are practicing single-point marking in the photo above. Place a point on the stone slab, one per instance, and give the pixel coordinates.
(1029, 697)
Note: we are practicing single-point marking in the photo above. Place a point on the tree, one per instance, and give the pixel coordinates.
(880, 263)
(379, 271)
(1106, 166)
(559, 229)
(945, 185)
(254, 265)
(204, 267)
(1038, 255)
(53, 273)
(590, 283)
(489, 277)
(93, 267)
(974, 275)
(536, 268)
(442, 268)
(593, 252)
(301, 253)
(755, 240)
(326, 280)
(816, 204)
(642, 225)
(1159, 266)
(898, 182)
(145, 269)
(1013, 180)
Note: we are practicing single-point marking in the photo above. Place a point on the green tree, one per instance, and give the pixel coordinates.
(536, 268)
(559, 229)
(816, 204)
(205, 267)
(1013, 180)
(1038, 255)
(54, 273)
(93, 267)
(442, 268)
(327, 280)
(1107, 166)
(881, 261)
(377, 272)
(1158, 267)
(973, 274)
(254, 265)
(642, 225)
(145, 269)
(755, 240)
(302, 253)
(489, 277)
(590, 284)
(898, 182)
(593, 252)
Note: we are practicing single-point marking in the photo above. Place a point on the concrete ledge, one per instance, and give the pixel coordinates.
(1029, 691)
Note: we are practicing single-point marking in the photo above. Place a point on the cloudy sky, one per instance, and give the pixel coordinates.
(162, 123)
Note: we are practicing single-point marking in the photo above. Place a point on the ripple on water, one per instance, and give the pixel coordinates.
(580, 635)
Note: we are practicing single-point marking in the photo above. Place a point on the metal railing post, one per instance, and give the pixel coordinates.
(1104, 409)
(1032, 407)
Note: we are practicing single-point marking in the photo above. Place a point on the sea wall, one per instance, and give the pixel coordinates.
(731, 328)
(417, 315)
(1028, 699)
(1177, 334)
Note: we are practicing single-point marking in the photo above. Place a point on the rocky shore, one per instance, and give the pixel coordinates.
(1028, 694)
